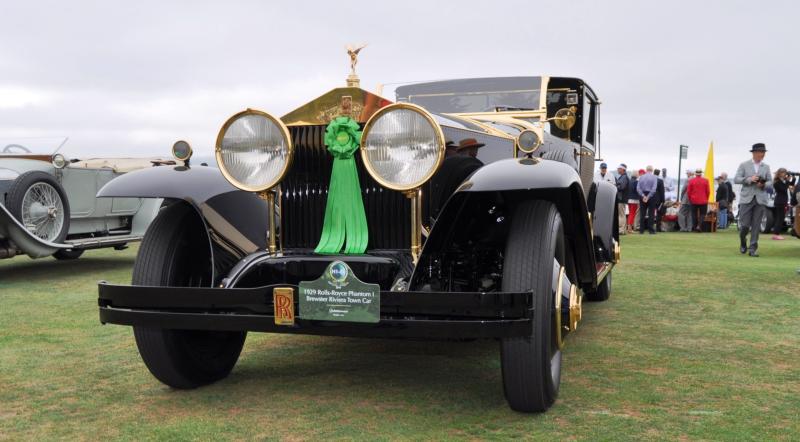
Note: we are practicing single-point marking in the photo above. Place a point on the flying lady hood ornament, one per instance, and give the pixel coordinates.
(352, 79)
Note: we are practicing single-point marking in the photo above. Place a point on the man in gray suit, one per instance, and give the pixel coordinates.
(685, 211)
(754, 175)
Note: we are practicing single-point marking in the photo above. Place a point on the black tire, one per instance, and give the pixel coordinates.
(68, 254)
(171, 255)
(603, 291)
(531, 366)
(768, 221)
(16, 194)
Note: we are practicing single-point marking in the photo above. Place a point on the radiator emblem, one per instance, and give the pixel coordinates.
(283, 302)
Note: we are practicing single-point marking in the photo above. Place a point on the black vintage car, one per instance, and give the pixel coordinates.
(464, 210)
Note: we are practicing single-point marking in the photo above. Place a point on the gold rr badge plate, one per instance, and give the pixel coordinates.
(283, 305)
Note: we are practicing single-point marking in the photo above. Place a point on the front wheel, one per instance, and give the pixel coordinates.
(172, 256)
(40, 204)
(534, 257)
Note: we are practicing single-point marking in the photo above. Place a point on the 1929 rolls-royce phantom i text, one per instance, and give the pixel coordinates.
(463, 210)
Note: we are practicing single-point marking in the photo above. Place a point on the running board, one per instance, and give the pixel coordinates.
(602, 270)
(96, 243)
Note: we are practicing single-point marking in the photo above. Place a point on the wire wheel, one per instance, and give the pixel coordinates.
(43, 211)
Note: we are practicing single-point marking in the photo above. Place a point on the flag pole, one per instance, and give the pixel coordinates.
(682, 151)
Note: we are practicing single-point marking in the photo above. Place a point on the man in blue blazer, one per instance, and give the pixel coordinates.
(754, 176)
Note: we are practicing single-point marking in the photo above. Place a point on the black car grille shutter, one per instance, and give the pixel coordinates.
(305, 192)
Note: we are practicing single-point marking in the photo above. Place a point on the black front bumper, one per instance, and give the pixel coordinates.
(437, 315)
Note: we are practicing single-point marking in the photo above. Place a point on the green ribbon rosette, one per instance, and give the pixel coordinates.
(345, 218)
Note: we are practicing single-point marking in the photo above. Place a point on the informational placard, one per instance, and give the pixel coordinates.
(338, 295)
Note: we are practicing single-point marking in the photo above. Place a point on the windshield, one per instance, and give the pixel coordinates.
(31, 145)
(474, 94)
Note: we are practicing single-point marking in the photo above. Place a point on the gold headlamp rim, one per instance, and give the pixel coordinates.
(535, 148)
(286, 136)
(437, 132)
(188, 155)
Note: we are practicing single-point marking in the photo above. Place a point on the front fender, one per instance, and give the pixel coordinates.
(605, 211)
(29, 243)
(235, 221)
(521, 173)
(484, 204)
(195, 184)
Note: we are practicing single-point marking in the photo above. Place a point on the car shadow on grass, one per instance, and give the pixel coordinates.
(456, 373)
(35, 269)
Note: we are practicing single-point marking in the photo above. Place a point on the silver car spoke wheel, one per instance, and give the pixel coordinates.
(43, 211)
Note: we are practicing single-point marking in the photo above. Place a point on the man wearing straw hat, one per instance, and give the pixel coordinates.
(754, 176)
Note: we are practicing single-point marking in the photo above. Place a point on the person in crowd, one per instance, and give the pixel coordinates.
(604, 175)
(623, 182)
(661, 200)
(647, 187)
(754, 175)
(698, 192)
(685, 211)
(637, 221)
(468, 147)
(731, 198)
(633, 200)
(669, 186)
(781, 182)
(450, 149)
(723, 201)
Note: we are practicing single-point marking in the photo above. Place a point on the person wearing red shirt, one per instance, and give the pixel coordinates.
(698, 191)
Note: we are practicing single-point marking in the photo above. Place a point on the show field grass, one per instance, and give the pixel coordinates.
(696, 342)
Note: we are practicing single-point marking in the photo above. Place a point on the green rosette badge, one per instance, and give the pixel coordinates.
(345, 221)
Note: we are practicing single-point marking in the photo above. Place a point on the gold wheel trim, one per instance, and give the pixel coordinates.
(575, 308)
(289, 147)
(559, 288)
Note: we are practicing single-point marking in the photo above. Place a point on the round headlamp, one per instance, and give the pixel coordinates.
(254, 150)
(59, 162)
(181, 150)
(528, 141)
(402, 146)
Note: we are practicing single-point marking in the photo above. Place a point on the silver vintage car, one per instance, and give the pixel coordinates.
(48, 204)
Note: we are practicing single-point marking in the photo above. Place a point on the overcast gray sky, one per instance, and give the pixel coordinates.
(130, 78)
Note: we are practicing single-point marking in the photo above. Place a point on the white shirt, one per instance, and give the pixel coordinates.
(608, 177)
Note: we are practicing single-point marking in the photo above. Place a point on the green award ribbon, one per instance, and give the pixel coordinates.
(344, 211)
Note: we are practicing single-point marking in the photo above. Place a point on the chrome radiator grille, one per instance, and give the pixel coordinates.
(304, 194)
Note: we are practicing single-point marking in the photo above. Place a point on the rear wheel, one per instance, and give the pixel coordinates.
(531, 365)
(170, 255)
(39, 203)
(603, 290)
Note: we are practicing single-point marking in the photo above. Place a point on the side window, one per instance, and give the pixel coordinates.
(590, 122)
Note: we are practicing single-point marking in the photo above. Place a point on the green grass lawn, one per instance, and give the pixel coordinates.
(696, 342)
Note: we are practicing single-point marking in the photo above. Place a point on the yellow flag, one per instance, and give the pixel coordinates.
(710, 173)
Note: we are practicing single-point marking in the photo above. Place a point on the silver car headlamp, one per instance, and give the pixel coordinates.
(402, 146)
(254, 150)
(59, 161)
